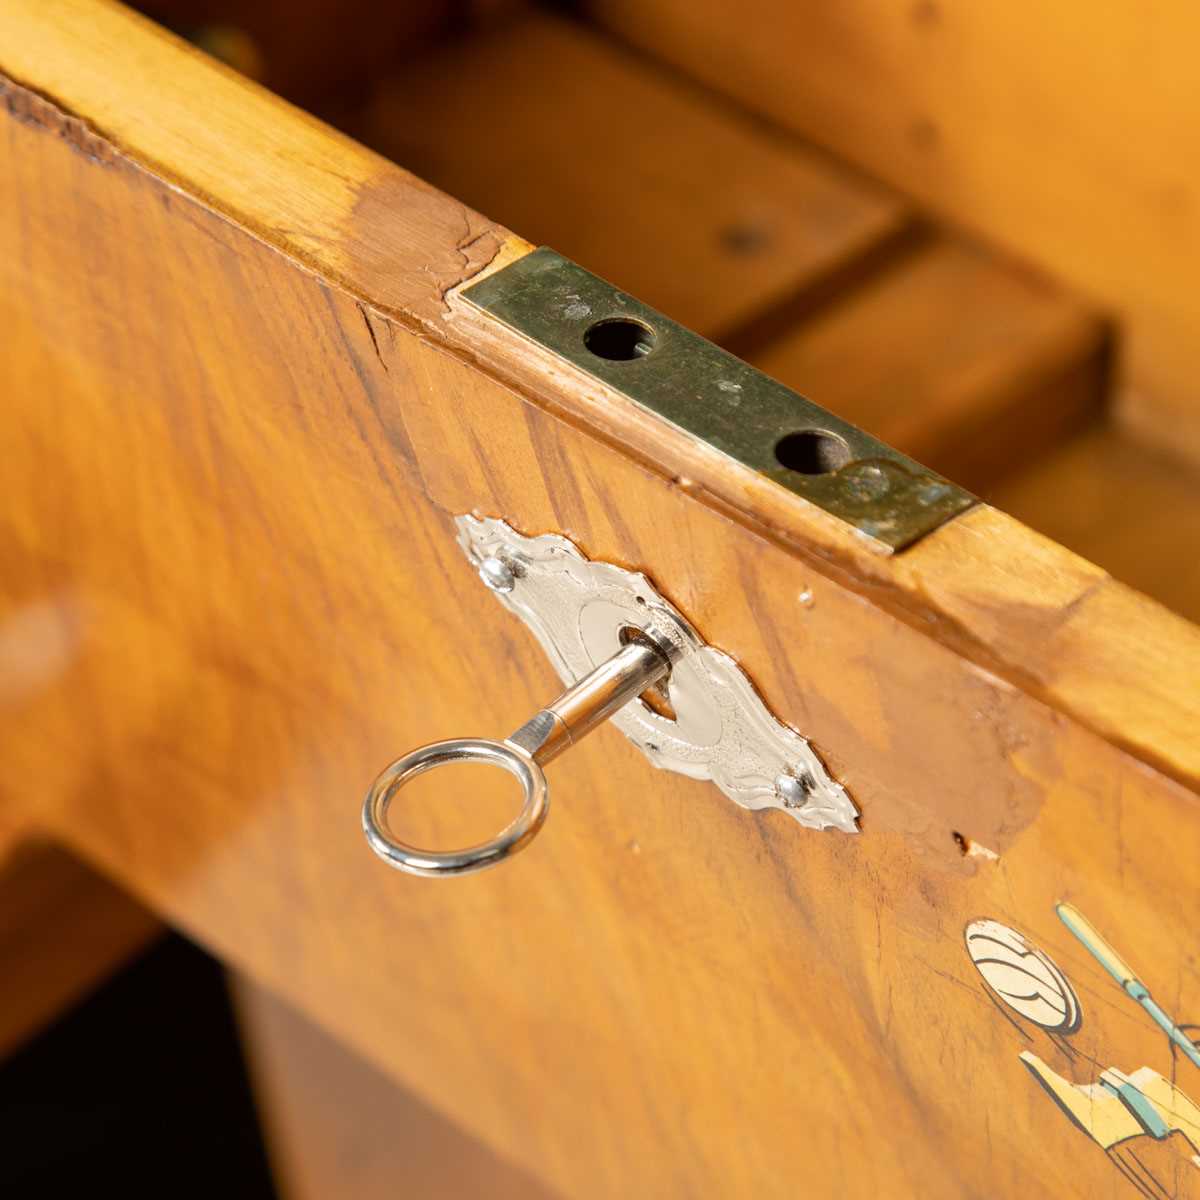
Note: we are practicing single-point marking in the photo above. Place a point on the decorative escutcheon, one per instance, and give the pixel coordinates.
(613, 638)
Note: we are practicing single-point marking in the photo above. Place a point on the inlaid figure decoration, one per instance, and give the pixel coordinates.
(1118, 1108)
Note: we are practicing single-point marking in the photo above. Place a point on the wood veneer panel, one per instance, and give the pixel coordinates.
(647, 182)
(232, 477)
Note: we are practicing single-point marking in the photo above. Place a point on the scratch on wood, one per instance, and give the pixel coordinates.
(31, 108)
(468, 244)
(362, 312)
(463, 243)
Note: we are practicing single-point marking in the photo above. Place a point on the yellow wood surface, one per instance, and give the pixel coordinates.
(1065, 132)
(239, 149)
(231, 477)
(309, 50)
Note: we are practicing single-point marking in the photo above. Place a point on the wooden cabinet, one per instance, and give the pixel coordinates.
(244, 401)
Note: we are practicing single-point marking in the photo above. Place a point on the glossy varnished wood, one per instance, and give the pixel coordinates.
(245, 411)
(385, 238)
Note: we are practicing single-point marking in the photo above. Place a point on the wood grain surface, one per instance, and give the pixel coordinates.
(243, 414)
(1066, 136)
(400, 247)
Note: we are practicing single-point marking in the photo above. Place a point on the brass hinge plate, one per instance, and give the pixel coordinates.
(708, 393)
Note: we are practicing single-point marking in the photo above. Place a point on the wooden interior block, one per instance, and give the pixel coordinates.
(307, 50)
(63, 930)
(1066, 133)
(953, 355)
(334, 1125)
(1125, 505)
(654, 185)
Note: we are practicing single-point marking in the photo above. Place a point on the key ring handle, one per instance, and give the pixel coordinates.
(434, 863)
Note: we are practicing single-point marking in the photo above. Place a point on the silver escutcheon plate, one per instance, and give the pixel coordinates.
(721, 731)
